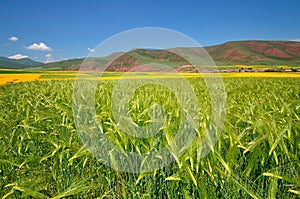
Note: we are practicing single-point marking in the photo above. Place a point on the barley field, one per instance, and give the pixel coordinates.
(257, 154)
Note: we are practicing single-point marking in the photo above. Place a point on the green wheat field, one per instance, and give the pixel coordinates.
(256, 156)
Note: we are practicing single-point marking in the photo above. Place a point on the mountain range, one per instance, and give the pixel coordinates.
(262, 53)
(18, 63)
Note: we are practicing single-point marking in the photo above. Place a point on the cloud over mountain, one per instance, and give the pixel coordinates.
(49, 58)
(18, 56)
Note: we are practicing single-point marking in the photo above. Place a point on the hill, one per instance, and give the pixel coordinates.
(256, 53)
(18, 63)
(70, 64)
(265, 53)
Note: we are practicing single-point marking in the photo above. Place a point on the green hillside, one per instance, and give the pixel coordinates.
(18, 63)
(60, 65)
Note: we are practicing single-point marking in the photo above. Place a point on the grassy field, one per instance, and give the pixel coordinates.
(256, 156)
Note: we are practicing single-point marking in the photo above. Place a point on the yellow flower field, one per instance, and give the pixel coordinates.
(48, 76)
(14, 78)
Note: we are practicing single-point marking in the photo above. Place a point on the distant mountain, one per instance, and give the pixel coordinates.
(18, 63)
(267, 53)
(70, 64)
(256, 53)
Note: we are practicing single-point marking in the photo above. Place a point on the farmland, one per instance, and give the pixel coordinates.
(256, 155)
(15, 76)
(145, 99)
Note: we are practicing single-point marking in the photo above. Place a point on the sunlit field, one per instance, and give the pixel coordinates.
(11, 77)
(256, 155)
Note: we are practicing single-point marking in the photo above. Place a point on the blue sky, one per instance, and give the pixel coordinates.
(63, 29)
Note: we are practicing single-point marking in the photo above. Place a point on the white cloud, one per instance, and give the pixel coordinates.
(13, 38)
(18, 56)
(91, 50)
(41, 46)
(297, 40)
(49, 58)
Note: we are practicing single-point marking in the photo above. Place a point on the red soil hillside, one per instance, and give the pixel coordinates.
(256, 52)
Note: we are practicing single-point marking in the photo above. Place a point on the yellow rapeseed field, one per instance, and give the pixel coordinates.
(14, 78)
(22, 77)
